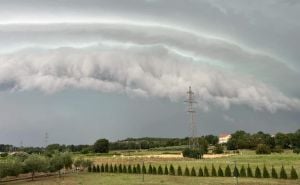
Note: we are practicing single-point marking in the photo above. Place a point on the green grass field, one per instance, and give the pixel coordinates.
(122, 179)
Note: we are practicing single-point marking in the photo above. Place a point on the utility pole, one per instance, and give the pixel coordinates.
(46, 139)
(191, 101)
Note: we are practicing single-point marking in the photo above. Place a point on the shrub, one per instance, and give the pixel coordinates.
(265, 172)
(213, 171)
(111, 168)
(193, 172)
(101, 146)
(249, 171)
(138, 168)
(236, 172)
(283, 174)
(94, 168)
(106, 168)
(277, 149)
(227, 171)
(129, 169)
(274, 173)
(102, 168)
(144, 171)
(150, 169)
(172, 170)
(206, 174)
(124, 170)
(257, 172)
(154, 172)
(160, 170)
(115, 168)
(10, 167)
(220, 172)
(263, 149)
(4, 154)
(192, 153)
(179, 171)
(243, 171)
(166, 170)
(186, 171)
(134, 169)
(294, 174)
(218, 149)
(200, 174)
(296, 150)
(98, 168)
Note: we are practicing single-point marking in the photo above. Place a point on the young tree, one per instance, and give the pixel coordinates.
(106, 168)
(274, 173)
(124, 170)
(94, 168)
(150, 169)
(67, 160)
(138, 168)
(102, 168)
(187, 171)
(154, 172)
(213, 171)
(206, 174)
(294, 174)
(36, 163)
(249, 171)
(200, 174)
(10, 167)
(243, 171)
(56, 163)
(166, 170)
(111, 168)
(257, 172)
(179, 171)
(265, 172)
(283, 174)
(193, 172)
(144, 171)
(236, 172)
(129, 169)
(98, 168)
(120, 168)
(101, 146)
(90, 169)
(227, 171)
(172, 170)
(115, 168)
(220, 172)
(160, 170)
(134, 169)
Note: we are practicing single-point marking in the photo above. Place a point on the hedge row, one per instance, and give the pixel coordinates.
(201, 172)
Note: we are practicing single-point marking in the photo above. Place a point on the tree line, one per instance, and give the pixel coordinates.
(201, 172)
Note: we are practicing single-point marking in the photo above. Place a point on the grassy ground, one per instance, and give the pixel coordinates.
(121, 179)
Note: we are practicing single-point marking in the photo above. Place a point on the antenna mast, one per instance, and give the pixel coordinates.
(191, 101)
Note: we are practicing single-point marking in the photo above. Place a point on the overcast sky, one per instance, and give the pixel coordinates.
(85, 69)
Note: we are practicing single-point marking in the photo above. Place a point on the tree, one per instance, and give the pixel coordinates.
(218, 149)
(166, 170)
(249, 171)
(154, 172)
(283, 174)
(227, 171)
(115, 168)
(263, 149)
(243, 171)
(106, 168)
(98, 168)
(129, 169)
(10, 167)
(35, 163)
(294, 174)
(124, 170)
(257, 172)
(144, 171)
(160, 170)
(213, 171)
(186, 171)
(101, 146)
(236, 172)
(239, 140)
(200, 174)
(120, 168)
(274, 173)
(102, 168)
(193, 153)
(56, 163)
(265, 172)
(111, 169)
(150, 169)
(206, 174)
(94, 168)
(138, 168)
(172, 170)
(220, 172)
(134, 169)
(193, 172)
(282, 140)
(179, 171)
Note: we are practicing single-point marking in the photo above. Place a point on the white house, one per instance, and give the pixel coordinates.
(223, 138)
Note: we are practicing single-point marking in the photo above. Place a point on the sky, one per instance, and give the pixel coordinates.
(87, 69)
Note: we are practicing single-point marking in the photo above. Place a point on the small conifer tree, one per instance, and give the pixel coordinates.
(120, 168)
(283, 174)
(138, 168)
(111, 168)
(124, 170)
(134, 169)
(265, 172)
(274, 173)
(236, 172)
(172, 170)
(206, 174)
(294, 174)
(154, 172)
(249, 171)
(179, 171)
(213, 171)
(243, 171)
(257, 172)
(102, 168)
(94, 168)
(115, 168)
(166, 170)
(106, 168)
(150, 169)
(160, 170)
(193, 172)
(90, 168)
(129, 169)
(144, 171)
(227, 171)
(187, 171)
(200, 174)
(98, 168)
(220, 172)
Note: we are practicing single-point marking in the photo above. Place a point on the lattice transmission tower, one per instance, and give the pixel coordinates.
(190, 102)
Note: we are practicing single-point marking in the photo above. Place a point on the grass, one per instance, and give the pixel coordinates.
(121, 179)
